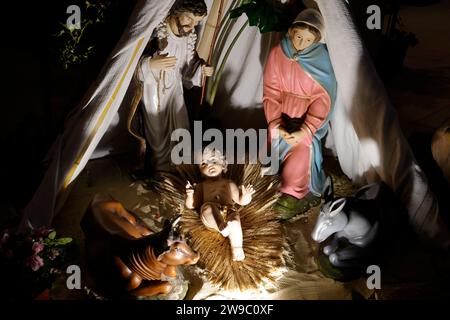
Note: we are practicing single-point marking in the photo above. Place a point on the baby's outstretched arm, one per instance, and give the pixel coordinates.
(189, 196)
(244, 197)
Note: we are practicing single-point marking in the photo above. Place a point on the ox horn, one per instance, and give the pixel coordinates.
(172, 225)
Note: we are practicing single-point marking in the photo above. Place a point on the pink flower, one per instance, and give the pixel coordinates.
(34, 262)
(37, 247)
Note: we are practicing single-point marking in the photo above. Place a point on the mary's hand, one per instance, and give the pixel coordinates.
(294, 137)
(289, 138)
(298, 136)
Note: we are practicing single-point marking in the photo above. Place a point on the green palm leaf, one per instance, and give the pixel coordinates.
(263, 15)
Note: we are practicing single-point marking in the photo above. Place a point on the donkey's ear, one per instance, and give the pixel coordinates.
(328, 191)
(337, 206)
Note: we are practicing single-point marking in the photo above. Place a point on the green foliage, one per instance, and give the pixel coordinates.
(76, 48)
(267, 15)
(29, 263)
(262, 14)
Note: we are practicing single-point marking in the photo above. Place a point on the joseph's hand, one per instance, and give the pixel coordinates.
(207, 71)
(163, 63)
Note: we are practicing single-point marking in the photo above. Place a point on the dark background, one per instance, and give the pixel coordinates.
(37, 92)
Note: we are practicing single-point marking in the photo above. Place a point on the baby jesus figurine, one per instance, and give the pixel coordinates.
(216, 197)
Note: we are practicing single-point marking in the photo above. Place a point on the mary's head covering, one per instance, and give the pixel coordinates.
(313, 18)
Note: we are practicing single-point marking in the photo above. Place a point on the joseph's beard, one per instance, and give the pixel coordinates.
(181, 30)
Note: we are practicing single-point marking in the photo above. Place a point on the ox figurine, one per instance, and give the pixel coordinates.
(142, 259)
(355, 224)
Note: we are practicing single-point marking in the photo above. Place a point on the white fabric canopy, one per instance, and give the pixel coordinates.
(87, 125)
(367, 136)
(365, 132)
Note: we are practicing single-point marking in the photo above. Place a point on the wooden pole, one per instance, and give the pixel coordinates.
(208, 42)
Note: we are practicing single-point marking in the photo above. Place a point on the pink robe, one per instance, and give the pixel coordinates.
(289, 89)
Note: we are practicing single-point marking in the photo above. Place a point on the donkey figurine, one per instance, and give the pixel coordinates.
(357, 222)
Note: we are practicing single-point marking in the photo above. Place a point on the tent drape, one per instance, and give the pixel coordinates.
(369, 142)
(87, 125)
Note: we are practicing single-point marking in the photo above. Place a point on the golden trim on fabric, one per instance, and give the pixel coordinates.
(100, 120)
(134, 105)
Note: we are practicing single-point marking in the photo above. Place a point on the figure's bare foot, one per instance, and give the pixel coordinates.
(238, 253)
(225, 232)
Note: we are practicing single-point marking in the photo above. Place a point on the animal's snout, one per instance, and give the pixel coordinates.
(192, 257)
(195, 258)
(181, 253)
(315, 235)
(321, 231)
